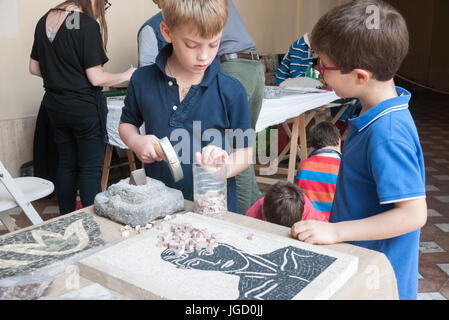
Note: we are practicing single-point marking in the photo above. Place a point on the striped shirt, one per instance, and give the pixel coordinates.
(296, 61)
(317, 177)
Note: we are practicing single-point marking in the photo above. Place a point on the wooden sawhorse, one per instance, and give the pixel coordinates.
(107, 165)
(299, 130)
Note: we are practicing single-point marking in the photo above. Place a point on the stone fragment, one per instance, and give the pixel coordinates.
(125, 234)
(24, 287)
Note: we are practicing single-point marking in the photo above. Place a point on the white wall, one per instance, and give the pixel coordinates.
(274, 25)
(20, 93)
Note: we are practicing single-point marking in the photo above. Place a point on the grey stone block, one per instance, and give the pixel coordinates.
(138, 205)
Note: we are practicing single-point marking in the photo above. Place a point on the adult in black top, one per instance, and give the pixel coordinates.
(68, 53)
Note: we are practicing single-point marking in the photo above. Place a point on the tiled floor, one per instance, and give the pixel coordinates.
(431, 112)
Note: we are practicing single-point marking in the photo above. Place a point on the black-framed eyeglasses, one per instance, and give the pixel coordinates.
(107, 5)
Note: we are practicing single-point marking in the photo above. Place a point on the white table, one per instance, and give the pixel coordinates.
(375, 279)
(300, 109)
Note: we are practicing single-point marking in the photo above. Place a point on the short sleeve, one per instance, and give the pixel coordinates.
(238, 113)
(93, 51)
(34, 51)
(148, 48)
(256, 210)
(130, 112)
(397, 171)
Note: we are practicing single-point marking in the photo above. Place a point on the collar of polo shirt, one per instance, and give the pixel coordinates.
(391, 105)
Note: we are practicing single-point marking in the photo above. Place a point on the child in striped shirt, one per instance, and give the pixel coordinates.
(297, 61)
(317, 175)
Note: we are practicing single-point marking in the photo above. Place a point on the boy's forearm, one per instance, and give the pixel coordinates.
(239, 161)
(128, 134)
(406, 217)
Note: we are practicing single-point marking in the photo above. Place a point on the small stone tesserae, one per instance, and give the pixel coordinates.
(184, 238)
(210, 190)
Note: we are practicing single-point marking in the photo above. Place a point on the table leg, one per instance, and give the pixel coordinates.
(131, 160)
(9, 223)
(340, 113)
(293, 152)
(302, 133)
(106, 168)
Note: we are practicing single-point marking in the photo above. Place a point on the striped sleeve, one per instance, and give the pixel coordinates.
(283, 71)
(296, 62)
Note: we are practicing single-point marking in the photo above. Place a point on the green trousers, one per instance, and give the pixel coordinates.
(250, 74)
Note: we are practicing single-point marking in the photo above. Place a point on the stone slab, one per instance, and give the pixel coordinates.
(52, 245)
(268, 267)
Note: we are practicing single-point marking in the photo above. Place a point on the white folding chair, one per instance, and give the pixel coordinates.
(20, 192)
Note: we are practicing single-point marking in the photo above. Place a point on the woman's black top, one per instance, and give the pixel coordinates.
(78, 46)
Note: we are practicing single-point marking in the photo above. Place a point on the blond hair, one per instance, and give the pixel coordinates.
(208, 16)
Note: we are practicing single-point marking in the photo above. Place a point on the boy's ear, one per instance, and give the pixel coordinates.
(166, 32)
(363, 76)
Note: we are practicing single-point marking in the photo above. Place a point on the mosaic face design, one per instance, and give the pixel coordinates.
(279, 275)
(33, 249)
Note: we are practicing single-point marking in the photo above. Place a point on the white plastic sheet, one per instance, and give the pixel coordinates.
(115, 106)
(276, 111)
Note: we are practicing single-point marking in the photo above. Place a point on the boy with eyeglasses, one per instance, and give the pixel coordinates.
(380, 200)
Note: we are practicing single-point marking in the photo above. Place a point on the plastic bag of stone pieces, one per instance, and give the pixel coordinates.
(210, 190)
(30, 287)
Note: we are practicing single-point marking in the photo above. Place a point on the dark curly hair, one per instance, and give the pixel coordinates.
(284, 204)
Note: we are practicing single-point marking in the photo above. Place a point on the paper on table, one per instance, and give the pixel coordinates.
(276, 111)
(115, 106)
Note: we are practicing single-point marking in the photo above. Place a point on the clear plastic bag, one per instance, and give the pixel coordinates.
(210, 190)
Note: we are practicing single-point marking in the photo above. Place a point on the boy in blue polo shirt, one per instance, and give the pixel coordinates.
(380, 196)
(185, 97)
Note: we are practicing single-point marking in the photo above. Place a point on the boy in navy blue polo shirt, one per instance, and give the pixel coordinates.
(380, 196)
(186, 98)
